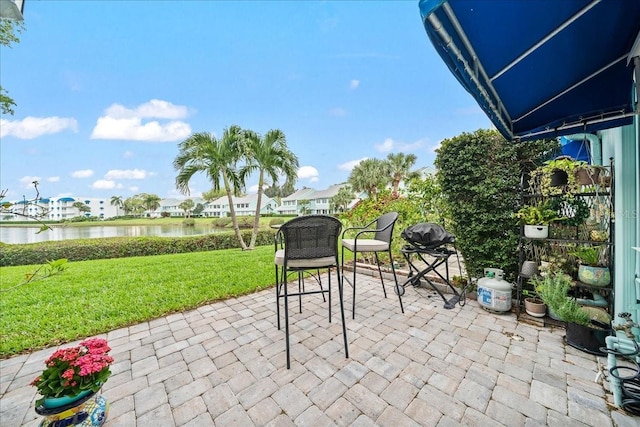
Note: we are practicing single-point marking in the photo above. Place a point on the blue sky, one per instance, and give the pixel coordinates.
(105, 90)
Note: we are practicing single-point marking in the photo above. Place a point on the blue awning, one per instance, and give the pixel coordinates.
(540, 68)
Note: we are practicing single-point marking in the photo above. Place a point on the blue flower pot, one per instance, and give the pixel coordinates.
(57, 402)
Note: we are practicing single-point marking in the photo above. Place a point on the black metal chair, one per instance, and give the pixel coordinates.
(307, 244)
(381, 242)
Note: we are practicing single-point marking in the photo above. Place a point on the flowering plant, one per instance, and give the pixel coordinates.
(73, 370)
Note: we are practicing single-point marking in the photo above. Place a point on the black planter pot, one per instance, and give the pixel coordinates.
(588, 339)
(559, 178)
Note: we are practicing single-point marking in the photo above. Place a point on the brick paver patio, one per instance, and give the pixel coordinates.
(223, 364)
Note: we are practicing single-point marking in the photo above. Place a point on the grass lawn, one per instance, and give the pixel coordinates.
(93, 297)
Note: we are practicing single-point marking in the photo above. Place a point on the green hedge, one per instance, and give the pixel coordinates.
(121, 247)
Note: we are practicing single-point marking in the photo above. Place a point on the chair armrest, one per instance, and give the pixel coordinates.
(365, 228)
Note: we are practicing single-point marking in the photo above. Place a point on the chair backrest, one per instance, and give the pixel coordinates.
(386, 223)
(311, 236)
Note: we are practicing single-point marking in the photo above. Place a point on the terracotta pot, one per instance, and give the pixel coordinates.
(587, 176)
(535, 307)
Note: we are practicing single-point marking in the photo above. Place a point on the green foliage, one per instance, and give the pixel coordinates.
(224, 221)
(409, 213)
(573, 210)
(542, 176)
(537, 215)
(588, 255)
(120, 247)
(189, 222)
(479, 174)
(552, 289)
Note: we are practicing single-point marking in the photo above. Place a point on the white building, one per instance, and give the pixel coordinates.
(243, 206)
(58, 209)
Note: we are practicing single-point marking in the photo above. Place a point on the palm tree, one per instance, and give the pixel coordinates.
(399, 166)
(203, 152)
(368, 176)
(118, 203)
(151, 202)
(269, 156)
(340, 202)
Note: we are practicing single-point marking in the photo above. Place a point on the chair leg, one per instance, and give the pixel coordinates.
(395, 279)
(340, 296)
(300, 288)
(329, 288)
(321, 288)
(286, 319)
(380, 272)
(353, 285)
(278, 296)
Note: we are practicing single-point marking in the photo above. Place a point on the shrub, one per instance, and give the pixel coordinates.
(121, 247)
(479, 174)
(276, 221)
(221, 222)
(189, 222)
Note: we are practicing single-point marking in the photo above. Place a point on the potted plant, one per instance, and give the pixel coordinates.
(553, 288)
(71, 378)
(593, 269)
(536, 220)
(587, 174)
(535, 306)
(557, 176)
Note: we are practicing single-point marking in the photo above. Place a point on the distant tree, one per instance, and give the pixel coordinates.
(9, 30)
(370, 175)
(133, 205)
(340, 202)
(399, 168)
(82, 207)
(197, 211)
(218, 159)
(187, 205)
(276, 192)
(305, 207)
(118, 203)
(270, 157)
(151, 202)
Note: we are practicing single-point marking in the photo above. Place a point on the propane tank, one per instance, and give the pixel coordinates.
(494, 293)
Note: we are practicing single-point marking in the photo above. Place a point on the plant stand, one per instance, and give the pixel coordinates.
(88, 411)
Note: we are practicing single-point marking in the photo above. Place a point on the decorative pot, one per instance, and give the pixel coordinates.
(594, 276)
(529, 269)
(87, 411)
(558, 178)
(535, 307)
(536, 231)
(57, 402)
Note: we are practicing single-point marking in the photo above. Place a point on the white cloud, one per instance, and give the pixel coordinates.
(27, 181)
(348, 166)
(127, 154)
(308, 172)
(134, 188)
(389, 145)
(120, 122)
(155, 108)
(127, 174)
(86, 173)
(53, 179)
(353, 84)
(338, 112)
(103, 184)
(33, 127)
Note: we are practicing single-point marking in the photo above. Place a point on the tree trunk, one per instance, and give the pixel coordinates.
(232, 211)
(256, 219)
